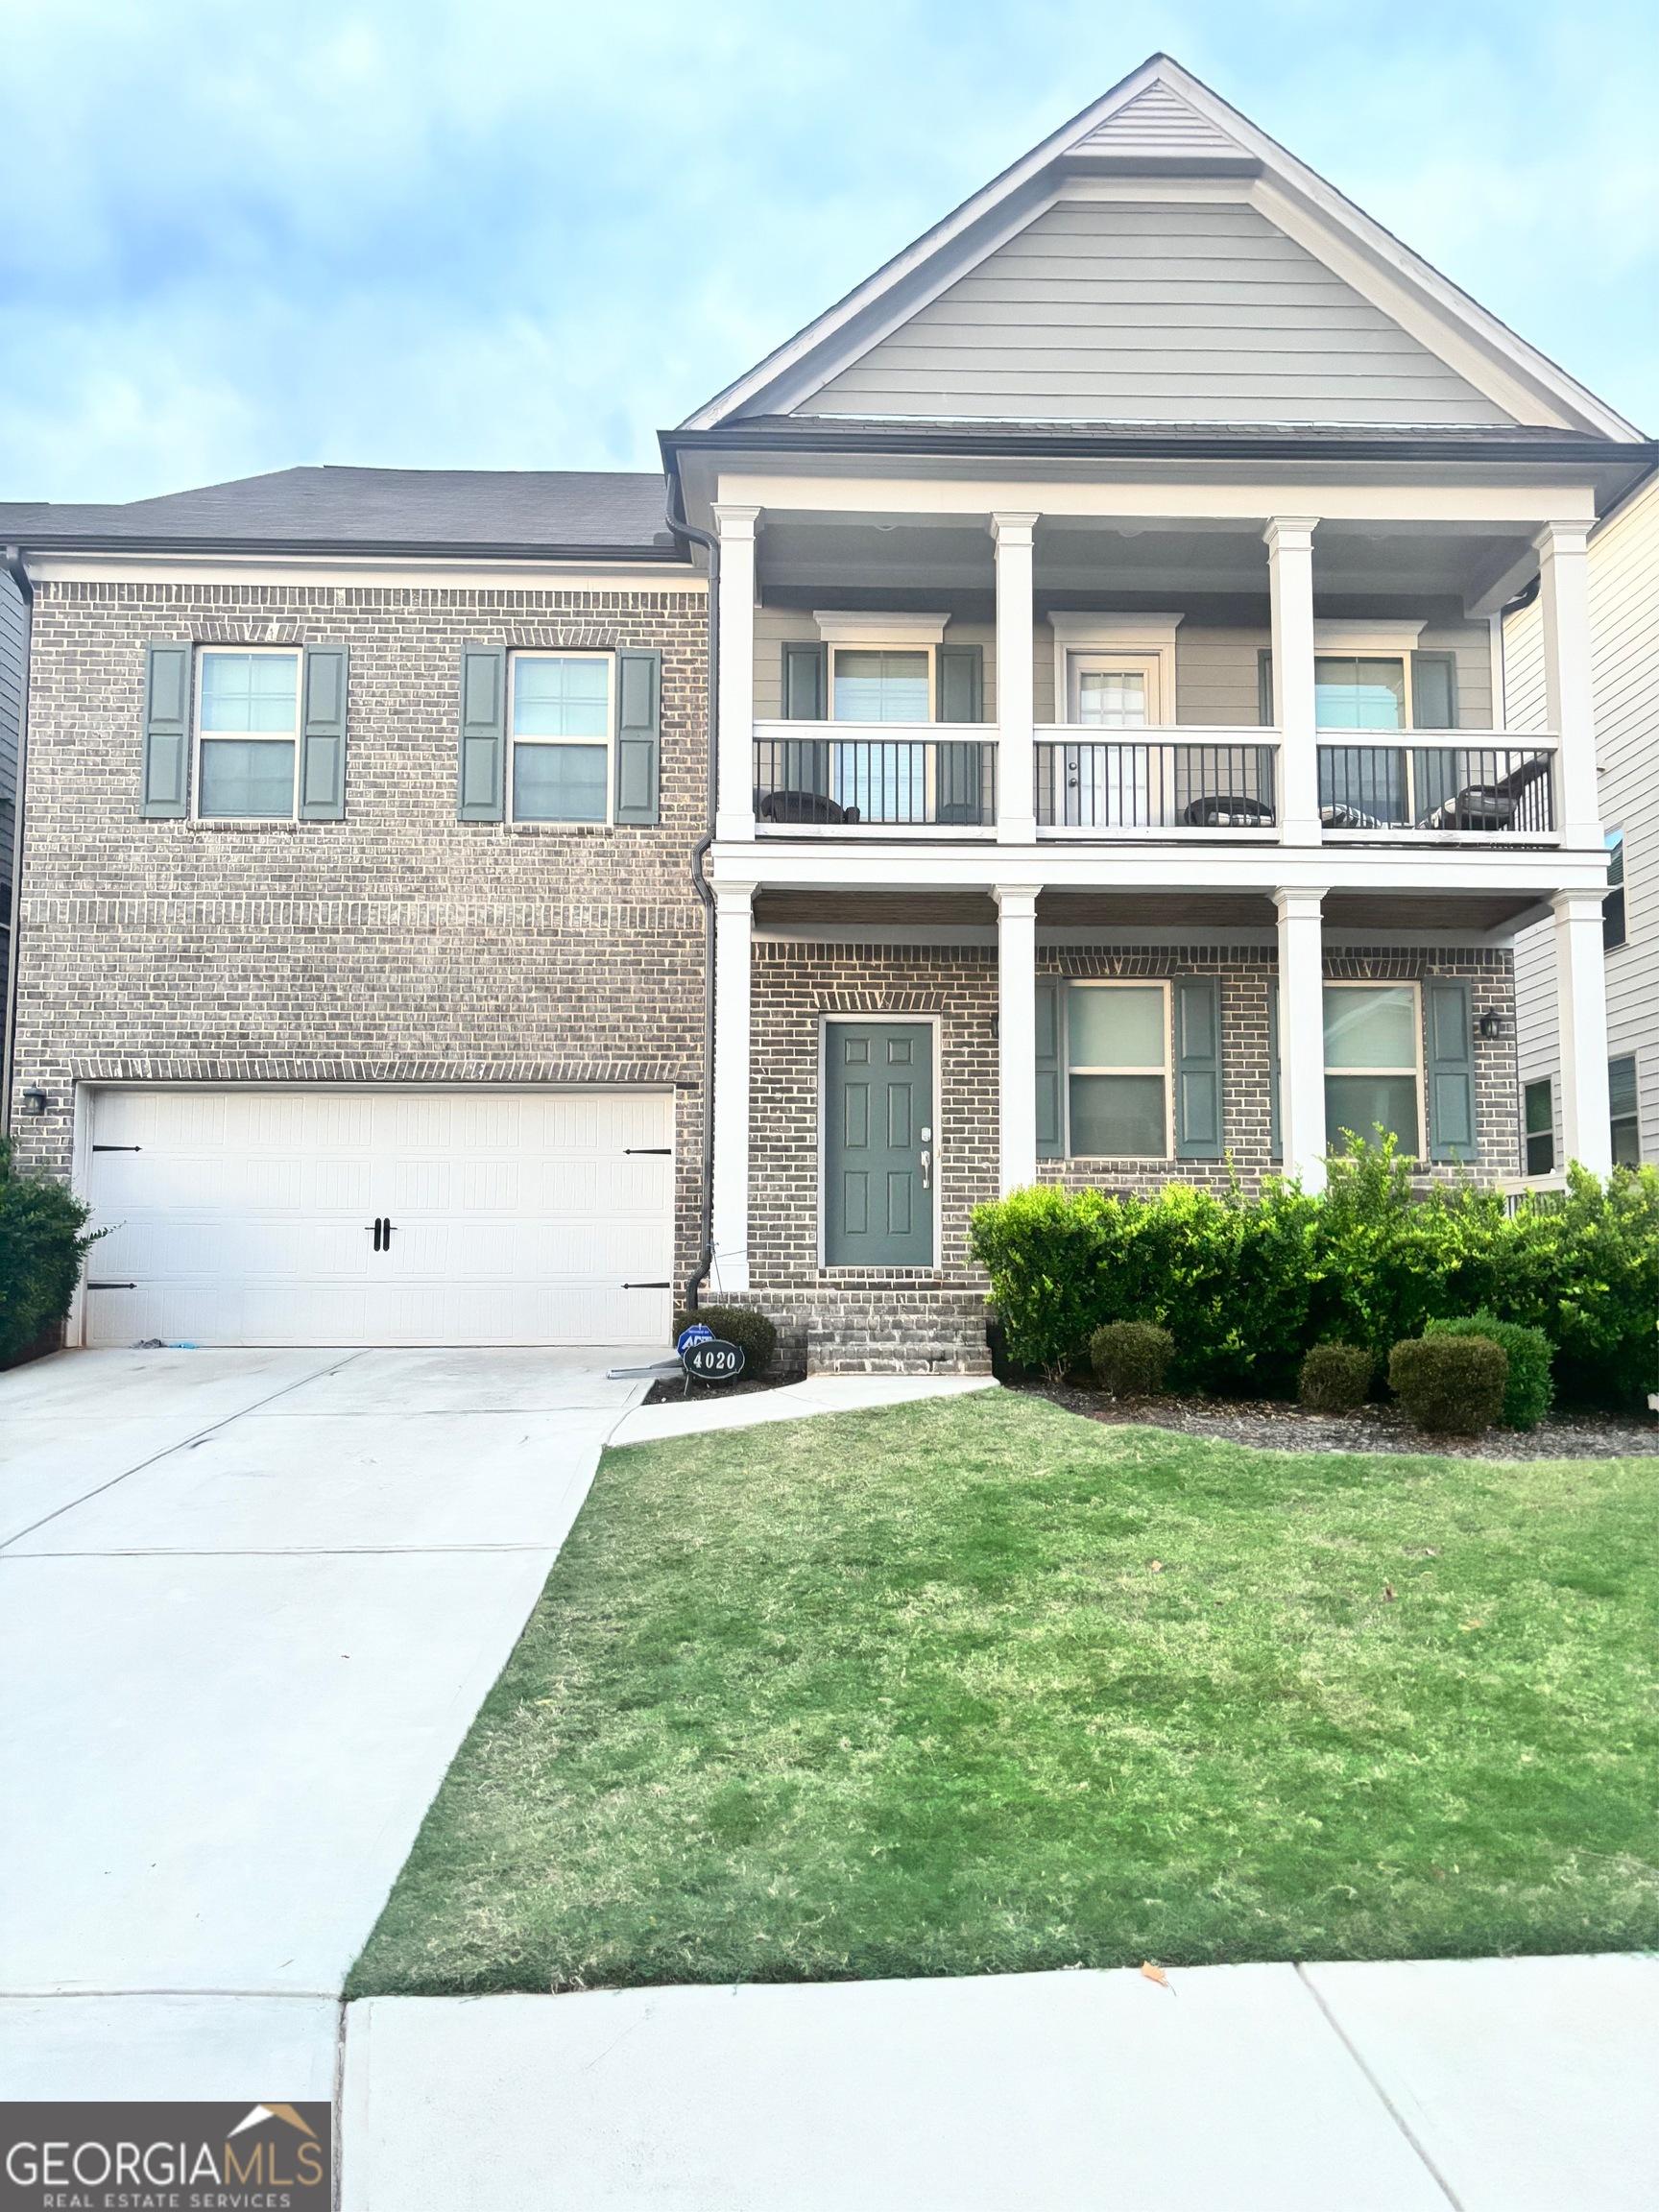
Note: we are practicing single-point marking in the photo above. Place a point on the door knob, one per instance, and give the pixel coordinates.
(926, 1170)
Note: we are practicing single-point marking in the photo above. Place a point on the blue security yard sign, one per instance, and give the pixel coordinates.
(699, 1333)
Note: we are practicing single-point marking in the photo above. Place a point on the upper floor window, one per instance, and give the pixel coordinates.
(561, 733)
(1541, 1128)
(1351, 693)
(881, 686)
(1372, 1062)
(1108, 695)
(1613, 905)
(1622, 1110)
(248, 733)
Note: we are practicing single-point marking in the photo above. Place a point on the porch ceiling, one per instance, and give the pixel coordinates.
(1461, 914)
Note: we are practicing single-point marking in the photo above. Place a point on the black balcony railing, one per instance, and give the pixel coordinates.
(942, 782)
(1497, 790)
(1102, 784)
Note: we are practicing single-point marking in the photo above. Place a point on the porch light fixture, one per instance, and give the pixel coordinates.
(34, 1102)
(1492, 1024)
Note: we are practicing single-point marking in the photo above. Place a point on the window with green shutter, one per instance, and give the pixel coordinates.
(164, 785)
(1051, 1124)
(1197, 1011)
(1451, 1058)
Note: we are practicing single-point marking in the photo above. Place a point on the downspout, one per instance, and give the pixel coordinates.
(699, 885)
(19, 575)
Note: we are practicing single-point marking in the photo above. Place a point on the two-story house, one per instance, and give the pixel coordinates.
(1110, 784)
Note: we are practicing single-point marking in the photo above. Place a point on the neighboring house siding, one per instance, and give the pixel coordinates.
(1191, 311)
(1624, 618)
(398, 945)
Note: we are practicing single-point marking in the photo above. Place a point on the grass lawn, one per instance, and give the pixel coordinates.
(976, 1686)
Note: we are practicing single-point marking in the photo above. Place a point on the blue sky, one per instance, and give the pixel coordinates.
(527, 233)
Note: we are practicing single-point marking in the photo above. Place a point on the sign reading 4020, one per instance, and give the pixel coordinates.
(713, 1360)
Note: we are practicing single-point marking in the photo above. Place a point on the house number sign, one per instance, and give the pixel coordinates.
(713, 1360)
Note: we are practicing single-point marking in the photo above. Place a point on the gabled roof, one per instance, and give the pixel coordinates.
(1162, 122)
(591, 513)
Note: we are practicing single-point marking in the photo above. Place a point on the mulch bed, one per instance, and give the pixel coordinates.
(671, 1389)
(1274, 1425)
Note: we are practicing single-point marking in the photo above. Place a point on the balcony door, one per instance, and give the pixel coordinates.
(1111, 697)
(878, 1144)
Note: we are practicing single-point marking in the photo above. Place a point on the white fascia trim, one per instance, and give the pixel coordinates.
(839, 628)
(1486, 351)
(1364, 637)
(438, 574)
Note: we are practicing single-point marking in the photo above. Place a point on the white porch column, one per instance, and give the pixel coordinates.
(1290, 587)
(1569, 695)
(1015, 621)
(1581, 1020)
(1301, 1036)
(1017, 1033)
(733, 961)
(735, 806)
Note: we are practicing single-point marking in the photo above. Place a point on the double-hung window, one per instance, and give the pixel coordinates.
(1540, 1105)
(247, 733)
(1354, 694)
(878, 685)
(1613, 905)
(1622, 1109)
(560, 736)
(1372, 1062)
(1117, 1069)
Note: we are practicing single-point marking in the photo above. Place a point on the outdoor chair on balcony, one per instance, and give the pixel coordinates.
(1227, 810)
(1490, 807)
(801, 806)
(1338, 816)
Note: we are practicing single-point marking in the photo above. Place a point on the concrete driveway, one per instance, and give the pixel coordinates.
(250, 1603)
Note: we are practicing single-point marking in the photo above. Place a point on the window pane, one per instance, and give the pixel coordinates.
(559, 783)
(1118, 1117)
(1621, 1085)
(1112, 698)
(1541, 1155)
(1370, 1025)
(1359, 1103)
(1117, 1028)
(250, 692)
(560, 698)
(1627, 1144)
(1540, 1108)
(253, 778)
(880, 686)
(1359, 695)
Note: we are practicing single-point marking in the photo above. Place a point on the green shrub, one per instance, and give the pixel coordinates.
(1130, 1357)
(1337, 1378)
(1529, 1390)
(1246, 1288)
(41, 1249)
(736, 1325)
(1450, 1385)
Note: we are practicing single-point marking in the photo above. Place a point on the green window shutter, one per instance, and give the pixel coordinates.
(322, 734)
(165, 792)
(1051, 1134)
(1265, 687)
(483, 732)
(1275, 1142)
(806, 684)
(1433, 691)
(961, 684)
(638, 738)
(1450, 1070)
(1197, 1068)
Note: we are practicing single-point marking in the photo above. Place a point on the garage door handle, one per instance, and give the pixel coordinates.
(651, 1151)
(381, 1227)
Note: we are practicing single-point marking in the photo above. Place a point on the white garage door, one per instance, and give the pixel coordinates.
(244, 1216)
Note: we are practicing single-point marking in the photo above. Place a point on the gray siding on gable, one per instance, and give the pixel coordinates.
(1165, 311)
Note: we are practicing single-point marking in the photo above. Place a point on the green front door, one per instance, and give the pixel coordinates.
(879, 1148)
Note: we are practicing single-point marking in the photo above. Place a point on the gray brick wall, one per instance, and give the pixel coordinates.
(398, 945)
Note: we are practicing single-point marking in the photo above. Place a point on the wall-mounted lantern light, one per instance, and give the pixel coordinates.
(34, 1102)
(1492, 1024)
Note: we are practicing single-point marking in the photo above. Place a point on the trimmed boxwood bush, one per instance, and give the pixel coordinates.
(41, 1249)
(1337, 1378)
(1529, 1390)
(1247, 1287)
(1450, 1385)
(736, 1325)
(1130, 1357)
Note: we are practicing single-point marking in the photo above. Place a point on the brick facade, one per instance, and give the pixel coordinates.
(397, 945)
(852, 1318)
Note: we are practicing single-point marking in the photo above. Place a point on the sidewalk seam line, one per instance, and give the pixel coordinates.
(212, 1429)
(1383, 2096)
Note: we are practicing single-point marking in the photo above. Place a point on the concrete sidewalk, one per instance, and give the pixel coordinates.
(1493, 2086)
(794, 1402)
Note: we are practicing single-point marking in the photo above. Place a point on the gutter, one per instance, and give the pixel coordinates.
(711, 544)
(157, 545)
(18, 572)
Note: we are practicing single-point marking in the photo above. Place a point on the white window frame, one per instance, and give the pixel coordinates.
(608, 741)
(1530, 1083)
(1388, 983)
(1159, 983)
(1382, 640)
(881, 633)
(226, 651)
(1137, 644)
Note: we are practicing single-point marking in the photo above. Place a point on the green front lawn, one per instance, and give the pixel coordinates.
(976, 1686)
